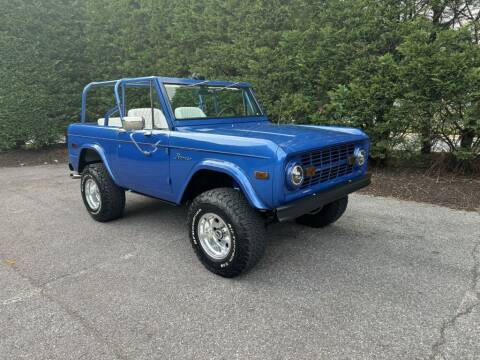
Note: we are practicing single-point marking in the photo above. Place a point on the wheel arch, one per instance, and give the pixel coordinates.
(218, 172)
(93, 153)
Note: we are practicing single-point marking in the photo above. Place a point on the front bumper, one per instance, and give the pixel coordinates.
(317, 200)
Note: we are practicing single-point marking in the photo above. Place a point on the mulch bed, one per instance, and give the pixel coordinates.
(52, 155)
(447, 189)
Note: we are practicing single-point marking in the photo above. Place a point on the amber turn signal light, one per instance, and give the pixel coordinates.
(310, 171)
(261, 175)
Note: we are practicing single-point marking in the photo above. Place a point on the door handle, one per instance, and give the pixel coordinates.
(144, 152)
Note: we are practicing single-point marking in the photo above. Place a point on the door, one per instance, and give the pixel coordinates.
(143, 155)
(143, 158)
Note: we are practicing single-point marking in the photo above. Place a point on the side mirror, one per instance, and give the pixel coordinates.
(132, 123)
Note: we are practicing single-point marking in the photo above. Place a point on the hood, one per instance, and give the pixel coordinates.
(292, 138)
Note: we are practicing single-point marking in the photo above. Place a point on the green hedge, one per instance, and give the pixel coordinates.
(407, 72)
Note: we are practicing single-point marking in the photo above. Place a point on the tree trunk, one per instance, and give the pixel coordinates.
(426, 137)
(466, 139)
(426, 127)
(426, 147)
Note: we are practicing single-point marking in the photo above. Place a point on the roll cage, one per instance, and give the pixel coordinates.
(153, 82)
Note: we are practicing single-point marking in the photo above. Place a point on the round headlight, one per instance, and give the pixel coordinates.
(360, 157)
(295, 175)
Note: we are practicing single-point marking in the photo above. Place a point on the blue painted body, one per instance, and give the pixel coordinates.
(234, 146)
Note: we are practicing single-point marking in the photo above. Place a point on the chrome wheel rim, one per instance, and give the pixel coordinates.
(92, 194)
(214, 235)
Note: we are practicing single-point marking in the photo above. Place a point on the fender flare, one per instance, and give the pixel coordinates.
(99, 150)
(232, 170)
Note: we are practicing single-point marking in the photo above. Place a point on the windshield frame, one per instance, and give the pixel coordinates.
(245, 87)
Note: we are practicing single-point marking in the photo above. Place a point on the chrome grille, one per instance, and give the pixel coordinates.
(330, 163)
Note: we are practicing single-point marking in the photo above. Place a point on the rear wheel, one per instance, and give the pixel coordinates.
(226, 233)
(103, 199)
(326, 216)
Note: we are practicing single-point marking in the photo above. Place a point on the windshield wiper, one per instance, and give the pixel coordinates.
(233, 85)
(221, 88)
(200, 83)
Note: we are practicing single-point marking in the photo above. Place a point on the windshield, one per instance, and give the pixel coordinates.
(204, 101)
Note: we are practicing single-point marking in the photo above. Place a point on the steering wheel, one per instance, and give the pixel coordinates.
(225, 109)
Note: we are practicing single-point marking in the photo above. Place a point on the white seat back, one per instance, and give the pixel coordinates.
(189, 112)
(113, 122)
(159, 119)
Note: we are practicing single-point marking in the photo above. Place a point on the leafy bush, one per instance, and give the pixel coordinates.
(407, 72)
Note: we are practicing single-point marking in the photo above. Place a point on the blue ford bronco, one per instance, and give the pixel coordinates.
(210, 146)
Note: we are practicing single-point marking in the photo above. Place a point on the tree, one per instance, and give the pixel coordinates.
(398, 69)
(41, 63)
(442, 80)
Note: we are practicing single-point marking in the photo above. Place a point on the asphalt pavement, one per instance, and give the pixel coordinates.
(390, 280)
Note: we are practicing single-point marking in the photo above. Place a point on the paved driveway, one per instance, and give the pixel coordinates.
(390, 280)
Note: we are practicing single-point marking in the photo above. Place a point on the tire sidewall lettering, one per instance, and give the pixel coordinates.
(194, 226)
(234, 247)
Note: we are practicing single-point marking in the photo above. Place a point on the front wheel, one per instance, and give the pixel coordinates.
(227, 234)
(326, 216)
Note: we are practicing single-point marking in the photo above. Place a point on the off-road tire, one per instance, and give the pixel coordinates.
(112, 197)
(247, 229)
(328, 215)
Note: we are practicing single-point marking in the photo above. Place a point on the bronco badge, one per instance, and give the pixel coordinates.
(178, 156)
